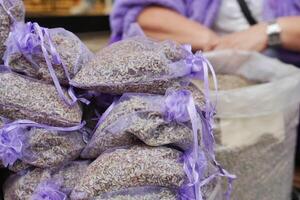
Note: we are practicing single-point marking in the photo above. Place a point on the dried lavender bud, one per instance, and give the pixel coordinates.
(73, 53)
(70, 174)
(139, 116)
(51, 149)
(16, 9)
(144, 193)
(23, 186)
(227, 82)
(19, 166)
(133, 167)
(133, 65)
(173, 51)
(197, 93)
(264, 169)
(16, 167)
(23, 98)
(103, 140)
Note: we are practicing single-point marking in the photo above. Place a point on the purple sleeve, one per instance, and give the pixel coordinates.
(126, 12)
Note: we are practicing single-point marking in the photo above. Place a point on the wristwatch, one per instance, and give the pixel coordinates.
(273, 32)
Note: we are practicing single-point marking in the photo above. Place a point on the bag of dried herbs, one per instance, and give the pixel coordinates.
(147, 118)
(38, 145)
(37, 184)
(142, 166)
(29, 44)
(51, 55)
(138, 65)
(257, 122)
(141, 193)
(11, 11)
(153, 193)
(25, 98)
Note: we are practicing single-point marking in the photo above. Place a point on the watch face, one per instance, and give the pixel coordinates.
(273, 32)
(274, 40)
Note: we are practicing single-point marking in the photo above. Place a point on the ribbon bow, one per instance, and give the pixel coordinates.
(48, 190)
(176, 106)
(11, 144)
(194, 63)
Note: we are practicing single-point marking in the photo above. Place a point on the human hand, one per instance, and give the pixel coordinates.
(206, 41)
(253, 39)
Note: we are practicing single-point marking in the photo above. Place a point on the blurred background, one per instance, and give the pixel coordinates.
(87, 18)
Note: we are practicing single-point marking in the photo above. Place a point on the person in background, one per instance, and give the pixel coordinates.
(85, 6)
(268, 26)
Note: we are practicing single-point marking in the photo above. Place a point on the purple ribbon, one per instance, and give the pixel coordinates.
(12, 137)
(31, 39)
(180, 107)
(104, 115)
(48, 190)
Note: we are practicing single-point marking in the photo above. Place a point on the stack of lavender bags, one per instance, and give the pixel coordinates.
(154, 140)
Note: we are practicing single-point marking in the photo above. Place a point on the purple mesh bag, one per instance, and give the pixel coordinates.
(157, 193)
(51, 148)
(38, 184)
(145, 193)
(11, 11)
(140, 166)
(24, 53)
(137, 65)
(25, 98)
(38, 145)
(53, 55)
(146, 118)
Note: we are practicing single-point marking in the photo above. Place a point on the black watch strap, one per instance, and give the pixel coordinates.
(247, 12)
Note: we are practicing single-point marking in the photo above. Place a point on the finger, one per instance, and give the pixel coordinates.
(220, 47)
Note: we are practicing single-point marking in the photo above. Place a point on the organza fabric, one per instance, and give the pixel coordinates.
(25, 98)
(146, 118)
(257, 124)
(137, 64)
(138, 167)
(24, 53)
(11, 11)
(36, 184)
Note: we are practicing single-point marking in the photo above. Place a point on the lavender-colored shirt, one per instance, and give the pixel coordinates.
(125, 13)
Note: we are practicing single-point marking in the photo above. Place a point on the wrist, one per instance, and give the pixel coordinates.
(264, 36)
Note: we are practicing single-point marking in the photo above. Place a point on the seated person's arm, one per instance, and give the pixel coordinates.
(255, 38)
(162, 23)
(290, 35)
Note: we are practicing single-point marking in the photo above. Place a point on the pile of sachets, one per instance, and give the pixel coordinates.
(154, 140)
